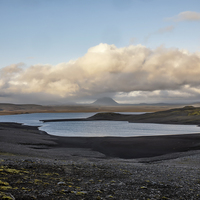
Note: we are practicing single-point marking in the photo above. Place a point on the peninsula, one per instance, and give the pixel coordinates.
(35, 165)
(187, 115)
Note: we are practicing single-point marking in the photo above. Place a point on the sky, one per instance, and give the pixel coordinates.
(134, 51)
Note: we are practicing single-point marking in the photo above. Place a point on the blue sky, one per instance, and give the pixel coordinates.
(51, 32)
(41, 32)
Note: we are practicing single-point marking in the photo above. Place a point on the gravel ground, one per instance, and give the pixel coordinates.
(23, 177)
(35, 165)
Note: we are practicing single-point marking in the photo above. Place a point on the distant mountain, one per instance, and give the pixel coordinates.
(105, 101)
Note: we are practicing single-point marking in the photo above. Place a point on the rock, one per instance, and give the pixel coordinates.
(61, 183)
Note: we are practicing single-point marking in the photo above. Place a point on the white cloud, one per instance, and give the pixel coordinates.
(186, 16)
(106, 69)
(165, 29)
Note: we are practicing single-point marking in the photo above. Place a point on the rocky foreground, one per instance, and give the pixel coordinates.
(37, 178)
(35, 165)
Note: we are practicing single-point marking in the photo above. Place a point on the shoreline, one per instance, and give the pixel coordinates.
(187, 115)
(36, 165)
(29, 140)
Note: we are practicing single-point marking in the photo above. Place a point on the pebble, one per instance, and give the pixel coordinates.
(105, 180)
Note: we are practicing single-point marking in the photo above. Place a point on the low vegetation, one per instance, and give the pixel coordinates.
(35, 179)
(185, 115)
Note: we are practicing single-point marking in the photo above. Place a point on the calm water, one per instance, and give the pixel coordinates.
(96, 128)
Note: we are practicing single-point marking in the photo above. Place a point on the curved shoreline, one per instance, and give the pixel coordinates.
(90, 168)
(28, 140)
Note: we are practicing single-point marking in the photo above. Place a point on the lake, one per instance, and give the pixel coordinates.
(96, 128)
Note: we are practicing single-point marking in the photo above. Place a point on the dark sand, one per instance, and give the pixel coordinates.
(27, 140)
(35, 165)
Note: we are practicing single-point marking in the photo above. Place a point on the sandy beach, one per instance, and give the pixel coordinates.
(157, 167)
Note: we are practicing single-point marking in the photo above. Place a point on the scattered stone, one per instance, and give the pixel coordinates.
(48, 180)
(61, 183)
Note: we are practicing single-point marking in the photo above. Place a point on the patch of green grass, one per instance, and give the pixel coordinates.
(6, 154)
(195, 113)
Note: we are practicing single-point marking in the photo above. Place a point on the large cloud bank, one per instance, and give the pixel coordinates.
(107, 69)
